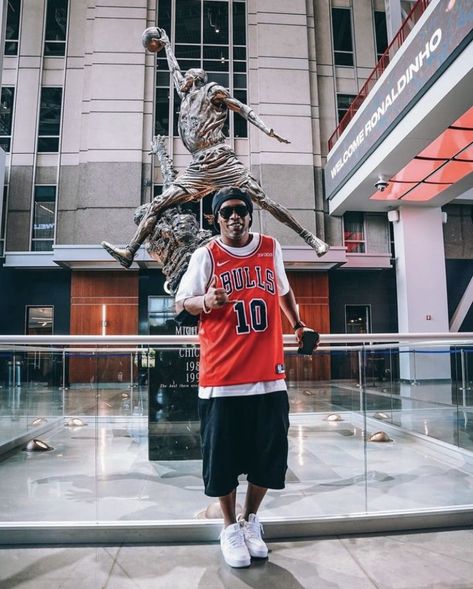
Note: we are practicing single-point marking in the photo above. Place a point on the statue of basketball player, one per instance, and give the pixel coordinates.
(204, 109)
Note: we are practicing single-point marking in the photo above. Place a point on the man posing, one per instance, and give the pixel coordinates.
(237, 284)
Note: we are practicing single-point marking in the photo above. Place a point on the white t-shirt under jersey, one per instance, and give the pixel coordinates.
(195, 282)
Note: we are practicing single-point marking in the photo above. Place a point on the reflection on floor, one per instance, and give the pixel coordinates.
(434, 560)
(101, 471)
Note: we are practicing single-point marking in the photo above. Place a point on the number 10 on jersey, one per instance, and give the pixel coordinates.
(251, 316)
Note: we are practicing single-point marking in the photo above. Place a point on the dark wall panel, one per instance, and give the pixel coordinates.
(151, 283)
(459, 273)
(19, 287)
(359, 287)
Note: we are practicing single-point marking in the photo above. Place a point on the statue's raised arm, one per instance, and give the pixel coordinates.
(154, 39)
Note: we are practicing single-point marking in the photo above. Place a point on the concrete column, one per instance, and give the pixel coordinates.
(3, 26)
(421, 288)
(393, 17)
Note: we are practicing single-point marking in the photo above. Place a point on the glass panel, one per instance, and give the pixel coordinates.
(187, 51)
(54, 48)
(214, 52)
(216, 66)
(240, 124)
(3, 220)
(354, 232)
(164, 15)
(56, 26)
(239, 53)
(12, 31)
(161, 315)
(216, 23)
(39, 320)
(162, 64)
(239, 25)
(381, 32)
(343, 59)
(50, 111)
(117, 457)
(342, 37)
(6, 114)
(222, 79)
(162, 111)
(357, 319)
(11, 48)
(162, 79)
(188, 24)
(343, 103)
(44, 212)
(239, 66)
(239, 81)
(177, 105)
(48, 144)
(49, 119)
(187, 64)
(42, 245)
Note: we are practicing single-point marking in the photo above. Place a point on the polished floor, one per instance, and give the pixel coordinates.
(102, 472)
(433, 560)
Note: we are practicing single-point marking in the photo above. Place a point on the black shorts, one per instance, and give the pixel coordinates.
(244, 435)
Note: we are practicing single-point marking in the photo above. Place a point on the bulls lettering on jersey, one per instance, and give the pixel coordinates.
(242, 341)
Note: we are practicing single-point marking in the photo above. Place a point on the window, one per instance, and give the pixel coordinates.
(3, 220)
(342, 36)
(343, 102)
(161, 315)
(12, 32)
(381, 33)
(357, 319)
(6, 117)
(354, 233)
(49, 119)
(210, 34)
(44, 217)
(56, 27)
(39, 320)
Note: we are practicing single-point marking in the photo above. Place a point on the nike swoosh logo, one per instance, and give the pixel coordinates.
(222, 263)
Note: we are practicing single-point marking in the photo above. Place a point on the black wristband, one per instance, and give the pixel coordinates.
(298, 325)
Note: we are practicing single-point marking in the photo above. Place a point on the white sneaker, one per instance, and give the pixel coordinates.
(252, 530)
(234, 550)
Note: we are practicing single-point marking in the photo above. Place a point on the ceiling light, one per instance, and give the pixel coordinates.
(39, 420)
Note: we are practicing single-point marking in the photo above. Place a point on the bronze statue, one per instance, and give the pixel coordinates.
(176, 234)
(204, 109)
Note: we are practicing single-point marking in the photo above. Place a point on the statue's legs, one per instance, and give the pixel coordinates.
(284, 216)
(173, 196)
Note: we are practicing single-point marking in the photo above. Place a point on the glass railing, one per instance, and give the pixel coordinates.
(104, 431)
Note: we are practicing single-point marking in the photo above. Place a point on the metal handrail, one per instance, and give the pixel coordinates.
(178, 340)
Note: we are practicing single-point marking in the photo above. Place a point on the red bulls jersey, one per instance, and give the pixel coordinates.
(242, 341)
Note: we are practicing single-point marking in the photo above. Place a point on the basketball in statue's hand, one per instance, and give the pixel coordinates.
(151, 39)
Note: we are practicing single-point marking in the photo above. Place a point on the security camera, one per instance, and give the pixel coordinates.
(381, 184)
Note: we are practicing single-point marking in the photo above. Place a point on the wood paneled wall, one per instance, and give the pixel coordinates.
(312, 295)
(118, 291)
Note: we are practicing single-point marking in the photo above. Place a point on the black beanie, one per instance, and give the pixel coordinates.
(230, 193)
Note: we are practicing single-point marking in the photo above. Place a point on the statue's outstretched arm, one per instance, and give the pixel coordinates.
(247, 113)
(174, 68)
